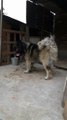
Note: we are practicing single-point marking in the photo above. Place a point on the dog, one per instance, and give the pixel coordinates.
(38, 55)
(45, 51)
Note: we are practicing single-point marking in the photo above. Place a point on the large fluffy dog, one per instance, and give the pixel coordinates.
(44, 51)
(50, 43)
(38, 55)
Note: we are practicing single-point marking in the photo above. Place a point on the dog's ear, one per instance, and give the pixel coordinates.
(52, 37)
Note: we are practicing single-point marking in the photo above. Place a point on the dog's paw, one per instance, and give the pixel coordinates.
(27, 71)
(46, 77)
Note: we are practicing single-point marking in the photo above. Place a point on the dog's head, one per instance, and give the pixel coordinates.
(50, 44)
(45, 42)
(21, 48)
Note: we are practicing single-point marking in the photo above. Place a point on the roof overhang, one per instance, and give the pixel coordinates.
(57, 6)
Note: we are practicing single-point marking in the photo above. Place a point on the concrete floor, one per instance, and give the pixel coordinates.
(30, 96)
(62, 64)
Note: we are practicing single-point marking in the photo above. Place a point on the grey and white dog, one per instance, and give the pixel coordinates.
(45, 51)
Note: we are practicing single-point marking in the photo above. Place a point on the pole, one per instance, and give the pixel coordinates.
(54, 24)
(1, 30)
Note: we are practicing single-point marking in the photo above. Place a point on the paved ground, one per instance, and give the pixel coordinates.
(30, 96)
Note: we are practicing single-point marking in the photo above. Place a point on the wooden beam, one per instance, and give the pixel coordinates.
(1, 29)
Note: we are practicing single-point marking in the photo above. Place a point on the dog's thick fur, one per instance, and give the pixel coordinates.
(51, 45)
(44, 51)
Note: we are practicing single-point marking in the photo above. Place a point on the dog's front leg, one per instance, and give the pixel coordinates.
(48, 71)
(28, 66)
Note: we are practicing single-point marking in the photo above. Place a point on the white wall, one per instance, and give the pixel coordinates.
(15, 9)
